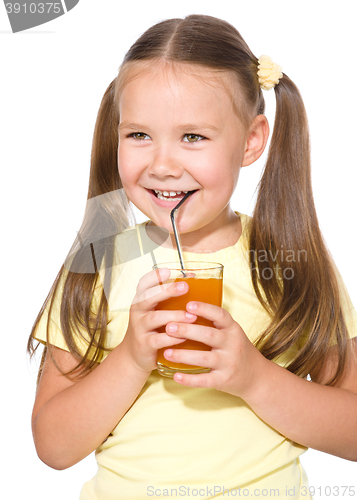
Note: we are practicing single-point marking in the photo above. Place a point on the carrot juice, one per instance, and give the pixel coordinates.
(205, 286)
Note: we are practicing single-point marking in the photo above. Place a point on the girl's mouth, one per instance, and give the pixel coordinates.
(167, 199)
(169, 195)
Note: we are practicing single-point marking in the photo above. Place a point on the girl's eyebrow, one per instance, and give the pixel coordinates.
(186, 126)
(132, 126)
(198, 126)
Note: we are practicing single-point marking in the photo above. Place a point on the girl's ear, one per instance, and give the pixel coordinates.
(257, 139)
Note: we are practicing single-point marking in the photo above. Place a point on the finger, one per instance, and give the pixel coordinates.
(155, 277)
(205, 334)
(152, 278)
(150, 297)
(206, 359)
(156, 319)
(219, 317)
(204, 380)
(161, 340)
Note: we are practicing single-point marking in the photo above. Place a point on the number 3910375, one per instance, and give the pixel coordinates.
(33, 8)
(328, 491)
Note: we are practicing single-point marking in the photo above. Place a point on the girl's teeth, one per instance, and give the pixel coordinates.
(163, 197)
(167, 199)
(171, 193)
(168, 195)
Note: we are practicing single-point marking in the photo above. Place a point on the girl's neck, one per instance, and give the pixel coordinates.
(205, 240)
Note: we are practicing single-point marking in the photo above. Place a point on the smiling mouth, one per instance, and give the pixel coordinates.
(169, 195)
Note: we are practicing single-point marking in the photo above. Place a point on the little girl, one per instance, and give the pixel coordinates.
(186, 113)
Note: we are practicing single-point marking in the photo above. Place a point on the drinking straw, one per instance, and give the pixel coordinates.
(176, 233)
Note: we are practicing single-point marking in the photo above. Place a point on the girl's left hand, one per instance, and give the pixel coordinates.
(235, 363)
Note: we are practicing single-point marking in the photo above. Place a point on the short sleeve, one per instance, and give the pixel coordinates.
(348, 309)
(49, 330)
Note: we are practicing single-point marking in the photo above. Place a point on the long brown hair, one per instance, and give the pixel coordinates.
(301, 295)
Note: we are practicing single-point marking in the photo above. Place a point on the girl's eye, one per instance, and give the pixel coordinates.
(139, 136)
(192, 138)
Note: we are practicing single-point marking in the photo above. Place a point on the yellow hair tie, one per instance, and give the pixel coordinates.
(269, 73)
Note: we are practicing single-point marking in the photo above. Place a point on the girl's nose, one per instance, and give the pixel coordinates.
(164, 164)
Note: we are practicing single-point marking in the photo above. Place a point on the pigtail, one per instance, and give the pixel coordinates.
(93, 250)
(104, 175)
(292, 271)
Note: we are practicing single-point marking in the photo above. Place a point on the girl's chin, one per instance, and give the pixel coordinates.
(160, 224)
(167, 226)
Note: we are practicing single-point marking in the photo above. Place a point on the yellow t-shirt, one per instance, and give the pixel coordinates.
(177, 441)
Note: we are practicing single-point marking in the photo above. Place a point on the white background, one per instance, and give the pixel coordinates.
(52, 81)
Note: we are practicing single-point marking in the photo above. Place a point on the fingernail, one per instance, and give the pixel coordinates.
(163, 272)
(192, 306)
(172, 328)
(189, 315)
(180, 287)
(168, 353)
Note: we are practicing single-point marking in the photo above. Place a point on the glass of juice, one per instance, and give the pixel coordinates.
(205, 281)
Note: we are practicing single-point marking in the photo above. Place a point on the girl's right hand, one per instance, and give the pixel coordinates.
(142, 339)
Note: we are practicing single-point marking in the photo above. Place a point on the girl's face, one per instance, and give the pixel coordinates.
(178, 132)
